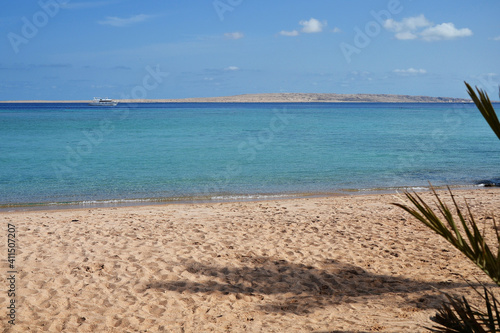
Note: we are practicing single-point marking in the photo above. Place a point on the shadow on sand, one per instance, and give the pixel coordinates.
(306, 287)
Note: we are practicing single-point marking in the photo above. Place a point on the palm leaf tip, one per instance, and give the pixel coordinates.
(484, 105)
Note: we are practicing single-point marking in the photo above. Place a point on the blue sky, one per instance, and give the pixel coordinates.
(78, 49)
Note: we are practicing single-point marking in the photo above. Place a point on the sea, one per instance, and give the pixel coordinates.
(61, 154)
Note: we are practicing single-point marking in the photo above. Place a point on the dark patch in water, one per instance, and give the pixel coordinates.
(489, 182)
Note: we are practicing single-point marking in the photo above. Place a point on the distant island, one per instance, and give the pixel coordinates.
(287, 98)
(312, 98)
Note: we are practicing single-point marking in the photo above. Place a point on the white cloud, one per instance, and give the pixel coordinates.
(308, 26)
(495, 38)
(444, 31)
(123, 22)
(407, 24)
(233, 35)
(410, 70)
(84, 4)
(104, 86)
(418, 27)
(231, 68)
(292, 33)
(405, 35)
(336, 30)
(312, 25)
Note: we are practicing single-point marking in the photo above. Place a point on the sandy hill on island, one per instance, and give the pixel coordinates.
(288, 98)
(311, 98)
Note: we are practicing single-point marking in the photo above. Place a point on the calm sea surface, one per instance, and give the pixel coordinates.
(60, 153)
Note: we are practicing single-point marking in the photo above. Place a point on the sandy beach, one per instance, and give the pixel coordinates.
(332, 264)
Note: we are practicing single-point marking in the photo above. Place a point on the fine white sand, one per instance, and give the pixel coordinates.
(341, 264)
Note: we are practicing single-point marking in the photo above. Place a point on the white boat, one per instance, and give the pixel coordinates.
(103, 102)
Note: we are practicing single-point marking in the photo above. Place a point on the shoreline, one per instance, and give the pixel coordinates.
(347, 263)
(234, 198)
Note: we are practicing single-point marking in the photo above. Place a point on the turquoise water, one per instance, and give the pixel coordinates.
(55, 153)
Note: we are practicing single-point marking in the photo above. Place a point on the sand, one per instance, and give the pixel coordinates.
(333, 264)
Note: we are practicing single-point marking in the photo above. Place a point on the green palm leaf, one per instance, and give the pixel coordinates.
(484, 105)
(469, 241)
(460, 230)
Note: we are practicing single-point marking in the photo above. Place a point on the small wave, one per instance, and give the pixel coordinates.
(229, 197)
(253, 197)
(489, 184)
(495, 182)
(113, 201)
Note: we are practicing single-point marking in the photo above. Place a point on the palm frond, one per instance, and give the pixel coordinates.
(459, 316)
(484, 105)
(463, 235)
